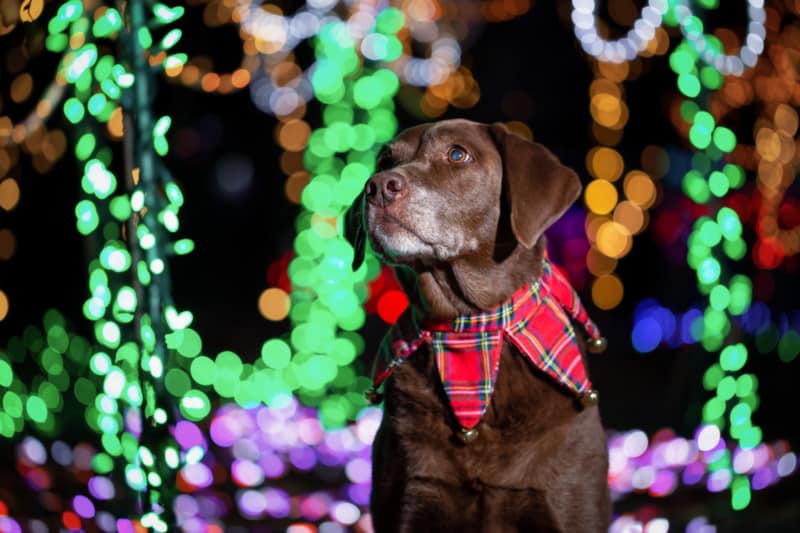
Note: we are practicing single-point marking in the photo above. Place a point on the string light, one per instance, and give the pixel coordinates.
(715, 141)
(625, 48)
(612, 221)
(775, 149)
(131, 323)
(692, 28)
(720, 229)
(652, 17)
(279, 86)
(326, 305)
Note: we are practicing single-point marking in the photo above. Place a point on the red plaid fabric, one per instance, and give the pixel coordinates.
(536, 319)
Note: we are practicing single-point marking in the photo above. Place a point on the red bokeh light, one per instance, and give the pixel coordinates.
(71, 520)
(768, 253)
(391, 305)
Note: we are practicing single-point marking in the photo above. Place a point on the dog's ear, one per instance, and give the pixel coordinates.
(354, 230)
(539, 187)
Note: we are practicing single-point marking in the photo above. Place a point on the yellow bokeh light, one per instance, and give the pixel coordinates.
(249, 46)
(614, 71)
(601, 196)
(768, 144)
(639, 188)
(291, 162)
(521, 129)
(293, 135)
(421, 10)
(606, 109)
(174, 70)
(274, 304)
(157, 60)
(786, 119)
(33, 142)
(215, 14)
(593, 223)
(5, 129)
(606, 136)
(662, 41)
(295, 185)
(240, 78)
(770, 175)
(3, 305)
(9, 194)
(432, 106)
(76, 40)
(286, 74)
(469, 92)
(787, 148)
(18, 133)
(604, 86)
(44, 108)
(115, 124)
(6, 29)
(605, 163)
(225, 84)
(5, 163)
(629, 215)
(599, 264)
(271, 46)
(54, 145)
(21, 87)
(8, 244)
(30, 11)
(325, 227)
(607, 291)
(658, 44)
(614, 239)
(190, 74)
(210, 82)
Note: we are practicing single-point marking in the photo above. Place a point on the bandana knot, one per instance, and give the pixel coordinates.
(535, 319)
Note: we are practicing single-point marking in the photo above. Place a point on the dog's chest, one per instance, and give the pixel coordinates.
(520, 436)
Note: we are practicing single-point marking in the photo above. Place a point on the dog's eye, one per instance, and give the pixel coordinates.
(458, 155)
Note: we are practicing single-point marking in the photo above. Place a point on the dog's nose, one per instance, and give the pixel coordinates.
(384, 188)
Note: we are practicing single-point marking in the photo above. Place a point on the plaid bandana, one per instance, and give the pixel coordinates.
(536, 319)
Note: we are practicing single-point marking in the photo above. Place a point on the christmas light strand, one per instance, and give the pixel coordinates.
(624, 49)
(713, 238)
(652, 17)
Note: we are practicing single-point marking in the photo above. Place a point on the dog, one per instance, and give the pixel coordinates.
(459, 209)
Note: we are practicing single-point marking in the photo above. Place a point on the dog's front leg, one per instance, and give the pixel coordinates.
(388, 472)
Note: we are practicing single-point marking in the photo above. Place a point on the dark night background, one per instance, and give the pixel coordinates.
(529, 69)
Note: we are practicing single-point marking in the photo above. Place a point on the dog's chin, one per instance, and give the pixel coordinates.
(399, 244)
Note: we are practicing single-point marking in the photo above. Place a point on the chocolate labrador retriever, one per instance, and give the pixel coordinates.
(459, 209)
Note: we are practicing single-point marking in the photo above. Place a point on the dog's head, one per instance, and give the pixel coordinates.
(459, 193)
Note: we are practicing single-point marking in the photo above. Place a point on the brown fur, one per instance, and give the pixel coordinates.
(540, 460)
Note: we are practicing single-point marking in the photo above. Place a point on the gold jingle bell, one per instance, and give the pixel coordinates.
(373, 397)
(467, 435)
(597, 345)
(589, 398)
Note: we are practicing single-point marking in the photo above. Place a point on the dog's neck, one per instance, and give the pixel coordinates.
(470, 284)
